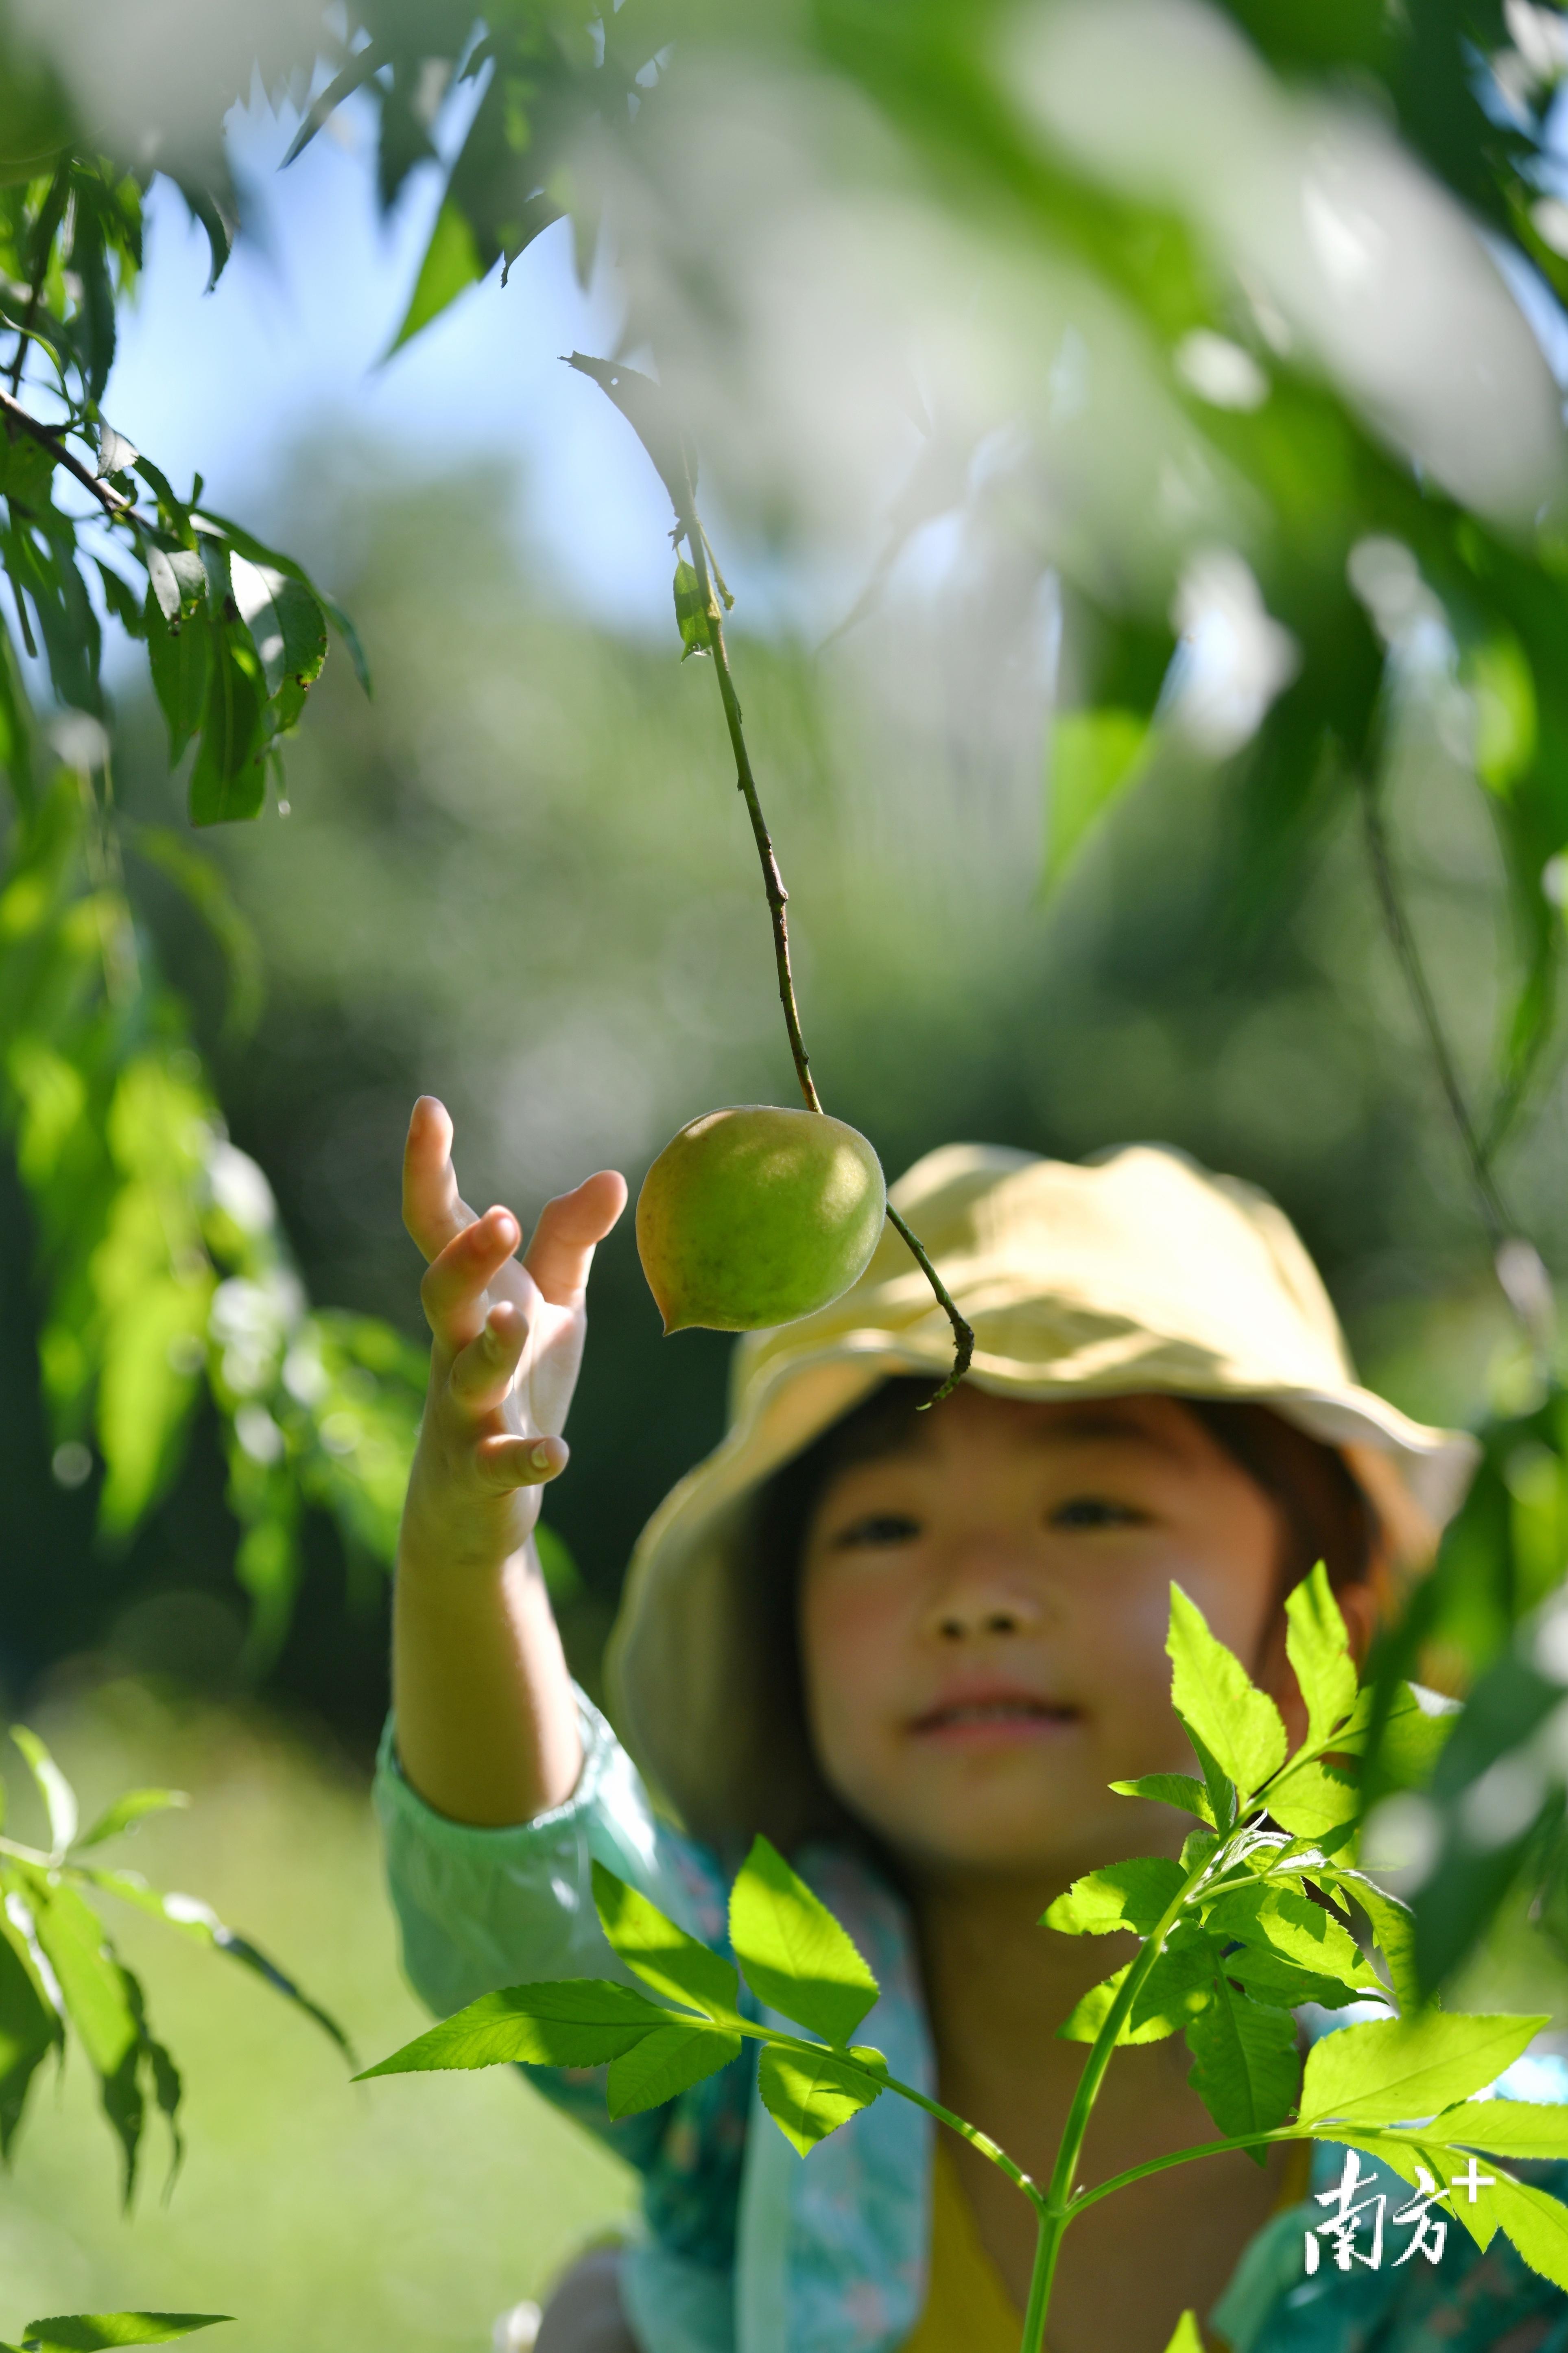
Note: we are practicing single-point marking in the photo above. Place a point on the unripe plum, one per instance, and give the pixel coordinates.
(756, 1215)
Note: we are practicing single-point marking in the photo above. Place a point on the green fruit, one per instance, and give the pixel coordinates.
(756, 1216)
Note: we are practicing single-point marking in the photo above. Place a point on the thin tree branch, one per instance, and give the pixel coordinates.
(115, 505)
(690, 528)
(1402, 939)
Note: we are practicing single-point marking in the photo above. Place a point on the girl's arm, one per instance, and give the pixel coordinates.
(486, 1724)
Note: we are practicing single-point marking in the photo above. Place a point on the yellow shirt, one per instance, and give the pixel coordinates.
(967, 2308)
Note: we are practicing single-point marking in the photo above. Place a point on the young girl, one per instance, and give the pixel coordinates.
(913, 1648)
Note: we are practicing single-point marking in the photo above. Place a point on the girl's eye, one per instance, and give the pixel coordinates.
(1093, 1511)
(877, 1528)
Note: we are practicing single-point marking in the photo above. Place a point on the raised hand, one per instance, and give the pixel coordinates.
(508, 1336)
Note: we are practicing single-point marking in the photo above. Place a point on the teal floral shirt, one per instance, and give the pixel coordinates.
(747, 2249)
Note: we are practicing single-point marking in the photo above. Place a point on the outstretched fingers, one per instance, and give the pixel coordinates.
(455, 1281)
(507, 1462)
(434, 1210)
(569, 1230)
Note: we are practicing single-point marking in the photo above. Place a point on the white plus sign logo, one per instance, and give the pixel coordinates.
(1472, 2181)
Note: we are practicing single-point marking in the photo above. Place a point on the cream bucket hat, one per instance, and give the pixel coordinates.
(1136, 1272)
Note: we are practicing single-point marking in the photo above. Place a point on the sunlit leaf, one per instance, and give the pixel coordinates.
(662, 1955)
(1213, 1693)
(1392, 2070)
(1319, 1649)
(451, 263)
(1288, 1923)
(229, 780)
(1187, 2339)
(89, 2332)
(794, 1954)
(59, 1796)
(1394, 1927)
(1314, 1799)
(810, 2096)
(1267, 1977)
(1538, 2225)
(30, 2029)
(1133, 1894)
(1178, 1789)
(1177, 1987)
(665, 2062)
(1095, 754)
(577, 2023)
(1517, 2128)
(1244, 2067)
(127, 1811)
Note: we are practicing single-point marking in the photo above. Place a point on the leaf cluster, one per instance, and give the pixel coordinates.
(61, 1977)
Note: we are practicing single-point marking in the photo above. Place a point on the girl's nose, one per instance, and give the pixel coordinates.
(978, 1601)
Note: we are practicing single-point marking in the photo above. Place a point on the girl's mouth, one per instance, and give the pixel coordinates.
(994, 1717)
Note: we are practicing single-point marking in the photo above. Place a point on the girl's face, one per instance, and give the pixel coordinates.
(983, 1616)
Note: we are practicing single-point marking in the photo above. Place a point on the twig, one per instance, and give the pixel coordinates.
(773, 881)
(44, 229)
(115, 504)
(778, 900)
(1402, 939)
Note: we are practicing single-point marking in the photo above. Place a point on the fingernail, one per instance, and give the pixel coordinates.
(540, 1457)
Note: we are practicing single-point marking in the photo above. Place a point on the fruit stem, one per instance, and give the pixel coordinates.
(773, 881)
(690, 528)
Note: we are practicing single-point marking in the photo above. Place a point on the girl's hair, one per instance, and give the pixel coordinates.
(1324, 1515)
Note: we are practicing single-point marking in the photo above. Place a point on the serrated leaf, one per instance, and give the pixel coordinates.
(127, 1811)
(1292, 1925)
(59, 1796)
(665, 2062)
(1394, 1927)
(662, 1955)
(1267, 1977)
(574, 2022)
(1246, 2069)
(810, 2096)
(1214, 1695)
(1319, 1649)
(1314, 1800)
(89, 2332)
(1396, 2071)
(1133, 1894)
(1517, 2128)
(1537, 2223)
(794, 1954)
(1175, 1991)
(1178, 1789)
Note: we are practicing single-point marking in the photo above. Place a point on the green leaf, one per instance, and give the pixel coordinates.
(451, 263)
(1094, 754)
(180, 663)
(794, 1954)
(1175, 1991)
(1319, 1649)
(1267, 1977)
(1394, 1927)
(127, 1811)
(1215, 1695)
(665, 2062)
(648, 409)
(1292, 1925)
(1314, 1800)
(663, 1955)
(1186, 2338)
(88, 2332)
(810, 2096)
(691, 610)
(1413, 1739)
(228, 780)
(1538, 2225)
(1520, 2128)
(99, 2001)
(1178, 1789)
(1134, 1895)
(1400, 2069)
(30, 2029)
(576, 2023)
(59, 1796)
(1245, 2066)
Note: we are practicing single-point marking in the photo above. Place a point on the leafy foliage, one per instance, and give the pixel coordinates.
(1250, 1922)
(88, 2332)
(60, 1974)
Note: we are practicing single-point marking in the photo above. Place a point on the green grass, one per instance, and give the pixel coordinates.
(328, 2217)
